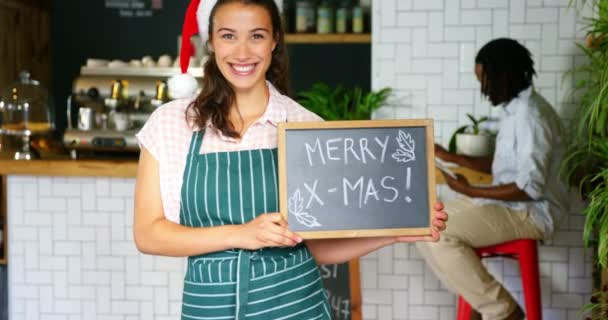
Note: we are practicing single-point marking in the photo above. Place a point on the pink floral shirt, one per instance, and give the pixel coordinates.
(167, 135)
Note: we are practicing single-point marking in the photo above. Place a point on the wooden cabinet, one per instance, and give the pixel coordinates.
(24, 40)
(3, 223)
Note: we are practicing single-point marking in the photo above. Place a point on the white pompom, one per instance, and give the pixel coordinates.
(183, 85)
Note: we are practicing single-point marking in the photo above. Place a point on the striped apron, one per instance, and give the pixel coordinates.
(271, 283)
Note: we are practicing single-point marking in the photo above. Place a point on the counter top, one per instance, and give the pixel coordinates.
(79, 168)
(128, 169)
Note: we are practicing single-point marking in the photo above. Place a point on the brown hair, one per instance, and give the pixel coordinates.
(217, 95)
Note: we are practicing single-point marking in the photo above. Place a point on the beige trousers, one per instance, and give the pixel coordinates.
(455, 263)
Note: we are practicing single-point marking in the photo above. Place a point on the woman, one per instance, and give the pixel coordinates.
(243, 260)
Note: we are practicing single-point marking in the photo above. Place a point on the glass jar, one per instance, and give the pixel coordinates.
(325, 18)
(25, 108)
(358, 21)
(305, 16)
(343, 17)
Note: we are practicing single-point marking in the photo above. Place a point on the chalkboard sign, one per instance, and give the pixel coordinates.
(357, 178)
(341, 283)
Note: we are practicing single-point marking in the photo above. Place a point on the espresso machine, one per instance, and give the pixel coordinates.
(108, 106)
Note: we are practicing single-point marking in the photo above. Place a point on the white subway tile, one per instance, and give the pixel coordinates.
(428, 4)
(393, 282)
(404, 5)
(82, 292)
(553, 254)
(125, 307)
(424, 312)
(525, 32)
(500, 24)
(369, 311)
(559, 277)
(441, 298)
(468, 4)
(419, 42)
(541, 15)
(450, 73)
(549, 39)
(442, 50)
(567, 300)
(412, 19)
(517, 12)
(567, 23)
(493, 3)
(388, 10)
(427, 66)
(96, 278)
(395, 35)
(416, 290)
(460, 34)
(555, 314)
(385, 51)
(385, 260)
(435, 26)
(556, 63)
(475, 17)
(409, 267)
(452, 12)
(67, 306)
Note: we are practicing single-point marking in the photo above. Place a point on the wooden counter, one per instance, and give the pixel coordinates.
(71, 168)
(128, 169)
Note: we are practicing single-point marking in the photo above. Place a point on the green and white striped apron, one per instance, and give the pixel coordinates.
(273, 283)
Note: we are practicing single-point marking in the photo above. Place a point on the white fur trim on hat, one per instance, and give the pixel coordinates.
(182, 85)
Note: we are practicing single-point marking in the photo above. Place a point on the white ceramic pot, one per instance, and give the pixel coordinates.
(475, 145)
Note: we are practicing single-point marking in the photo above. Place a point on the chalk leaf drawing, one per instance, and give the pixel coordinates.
(407, 147)
(296, 207)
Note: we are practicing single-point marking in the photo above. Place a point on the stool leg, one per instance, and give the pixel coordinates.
(464, 309)
(528, 263)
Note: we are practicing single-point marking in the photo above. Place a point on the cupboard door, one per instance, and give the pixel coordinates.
(8, 44)
(24, 40)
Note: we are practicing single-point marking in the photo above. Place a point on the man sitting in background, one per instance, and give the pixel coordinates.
(526, 198)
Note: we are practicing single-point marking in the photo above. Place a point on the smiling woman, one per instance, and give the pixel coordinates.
(207, 180)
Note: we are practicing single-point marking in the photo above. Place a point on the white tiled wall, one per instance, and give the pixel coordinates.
(425, 50)
(71, 250)
(72, 255)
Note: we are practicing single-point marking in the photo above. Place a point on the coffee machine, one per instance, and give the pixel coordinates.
(108, 106)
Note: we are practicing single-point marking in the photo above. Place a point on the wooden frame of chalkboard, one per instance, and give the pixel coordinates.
(408, 216)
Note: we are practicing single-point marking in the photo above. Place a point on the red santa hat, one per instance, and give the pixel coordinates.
(196, 22)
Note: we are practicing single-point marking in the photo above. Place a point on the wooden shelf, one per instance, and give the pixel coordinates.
(315, 38)
(138, 71)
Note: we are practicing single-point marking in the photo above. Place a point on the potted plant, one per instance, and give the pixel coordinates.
(471, 140)
(586, 164)
(340, 103)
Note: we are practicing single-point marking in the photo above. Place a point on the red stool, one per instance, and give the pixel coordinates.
(526, 252)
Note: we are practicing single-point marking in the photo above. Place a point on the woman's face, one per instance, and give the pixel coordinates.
(242, 40)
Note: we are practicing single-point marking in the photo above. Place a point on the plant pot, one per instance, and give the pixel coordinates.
(475, 145)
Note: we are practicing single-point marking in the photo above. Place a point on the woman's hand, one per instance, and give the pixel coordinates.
(266, 230)
(438, 225)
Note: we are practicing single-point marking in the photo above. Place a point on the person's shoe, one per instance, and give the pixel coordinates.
(475, 315)
(518, 314)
